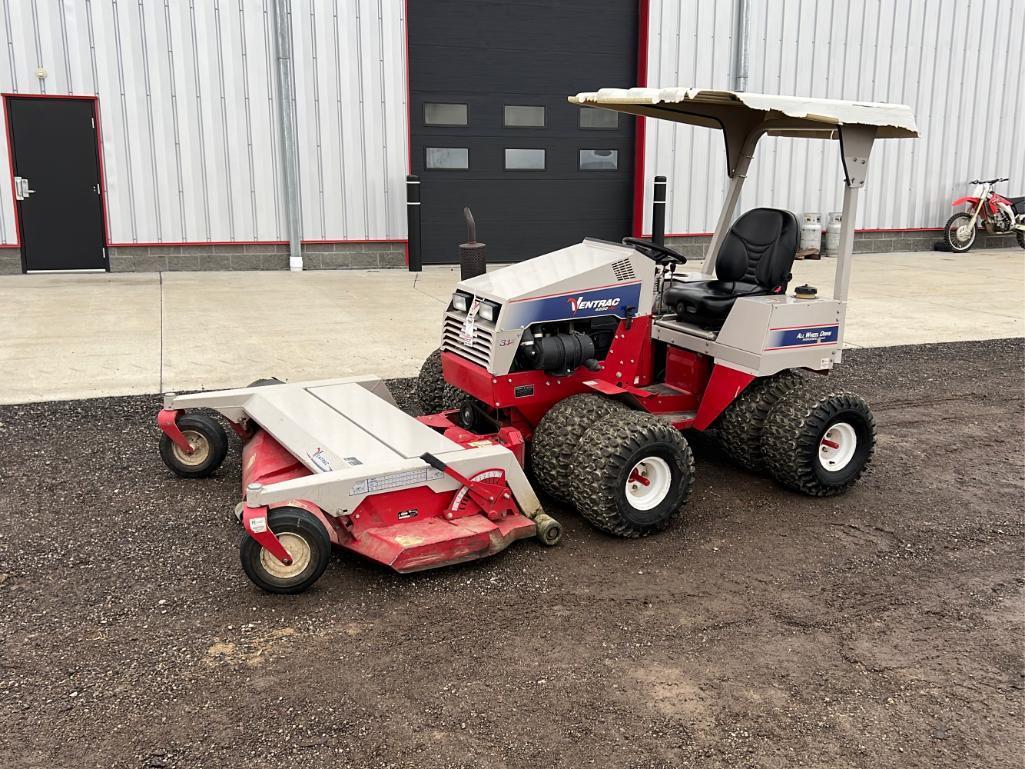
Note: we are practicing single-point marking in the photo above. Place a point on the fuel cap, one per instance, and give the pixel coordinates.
(806, 292)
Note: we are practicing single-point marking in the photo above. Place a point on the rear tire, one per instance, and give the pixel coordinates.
(1020, 237)
(553, 450)
(433, 393)
(741, 425)
(633, 474)
(950, 236)
(209, 444)
(304, 537)
(819, 443)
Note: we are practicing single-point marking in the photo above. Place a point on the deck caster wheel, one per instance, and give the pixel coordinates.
(554, 446)
(819, 444)
(549, 530)
(633, 475)
(209, 445)
(303, 535)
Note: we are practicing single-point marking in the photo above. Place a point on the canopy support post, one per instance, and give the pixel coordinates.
(855, 148)
(845, 251)
(737, 179)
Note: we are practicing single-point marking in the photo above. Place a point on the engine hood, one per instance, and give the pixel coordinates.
(581, 268)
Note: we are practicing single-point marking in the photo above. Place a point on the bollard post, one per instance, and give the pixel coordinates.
(658, 212)
(414, 234)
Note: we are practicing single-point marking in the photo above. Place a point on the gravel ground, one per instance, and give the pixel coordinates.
(883, 628)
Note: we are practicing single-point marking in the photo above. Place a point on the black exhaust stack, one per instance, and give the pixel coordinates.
(473, 259)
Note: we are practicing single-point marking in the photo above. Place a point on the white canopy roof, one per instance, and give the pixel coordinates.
(783, 115)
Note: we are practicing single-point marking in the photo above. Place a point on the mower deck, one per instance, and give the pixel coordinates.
(390, 487)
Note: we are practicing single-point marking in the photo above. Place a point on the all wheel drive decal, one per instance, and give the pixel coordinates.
(802, 336)
(608, 300)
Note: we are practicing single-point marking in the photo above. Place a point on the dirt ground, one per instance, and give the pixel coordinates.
(879, 629)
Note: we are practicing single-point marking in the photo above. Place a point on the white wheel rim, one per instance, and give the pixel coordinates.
(837, 447)
(299, 550)
(200, 449)
(648, 483)
(964, 234)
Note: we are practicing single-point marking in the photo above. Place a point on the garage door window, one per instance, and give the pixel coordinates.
(599, 160)
(518, 116)
(447, 158)
(445, 114)
(524, 160)
(598, 118)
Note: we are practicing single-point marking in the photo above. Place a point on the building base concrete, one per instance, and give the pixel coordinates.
(10, 261)
(90, 335)
(694, 246)
(380, 255)
(316, 256)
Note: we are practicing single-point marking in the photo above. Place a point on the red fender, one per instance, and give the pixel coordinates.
(961, 201)
(723, 387)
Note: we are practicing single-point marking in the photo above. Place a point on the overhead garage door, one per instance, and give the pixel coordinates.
(491, 128)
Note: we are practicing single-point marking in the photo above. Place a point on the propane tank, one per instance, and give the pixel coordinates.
(811, 233)
(832, 235)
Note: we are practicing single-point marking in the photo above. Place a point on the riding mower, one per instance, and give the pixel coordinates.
(584, 365)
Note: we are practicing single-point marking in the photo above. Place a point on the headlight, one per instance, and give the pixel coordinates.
(489, 311)
(460, 302)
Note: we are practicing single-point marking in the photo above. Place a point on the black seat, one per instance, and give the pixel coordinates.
(755, 259)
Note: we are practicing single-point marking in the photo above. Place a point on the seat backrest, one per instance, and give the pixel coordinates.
(767, 239)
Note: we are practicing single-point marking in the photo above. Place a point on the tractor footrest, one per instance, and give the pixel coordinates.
(433, 542)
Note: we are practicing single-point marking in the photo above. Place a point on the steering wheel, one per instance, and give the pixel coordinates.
(654, 251)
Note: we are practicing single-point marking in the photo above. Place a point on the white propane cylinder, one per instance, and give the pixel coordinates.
(811, 233)
(832, 235)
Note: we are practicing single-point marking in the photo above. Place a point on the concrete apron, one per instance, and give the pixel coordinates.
(89, 335)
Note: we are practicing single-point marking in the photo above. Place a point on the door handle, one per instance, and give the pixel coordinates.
(21, 189)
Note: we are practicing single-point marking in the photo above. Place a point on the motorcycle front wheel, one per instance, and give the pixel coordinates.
(959, 233)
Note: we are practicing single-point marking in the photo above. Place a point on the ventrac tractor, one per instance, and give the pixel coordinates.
(601, 353)
(584, 365)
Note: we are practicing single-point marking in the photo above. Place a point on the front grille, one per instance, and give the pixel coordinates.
(479, 351)
(624, 270)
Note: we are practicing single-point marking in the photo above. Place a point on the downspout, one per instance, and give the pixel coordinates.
(740, 47)
(289, 139)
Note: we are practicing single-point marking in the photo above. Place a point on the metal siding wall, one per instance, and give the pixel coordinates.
(186, 98)
(957, 64)
(351, 108)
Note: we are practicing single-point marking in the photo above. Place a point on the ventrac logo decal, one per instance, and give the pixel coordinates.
(586, 303)
(601, 305)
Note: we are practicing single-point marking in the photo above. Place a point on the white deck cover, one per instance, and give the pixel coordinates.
(894, 121)
(338, 426)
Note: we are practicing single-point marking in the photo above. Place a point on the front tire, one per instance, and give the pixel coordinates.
(307, 542)
(633, 474)
(433, 393)
(959, 243)
(1020, 237)
(209, 444)
(553, 449)
(819, 444)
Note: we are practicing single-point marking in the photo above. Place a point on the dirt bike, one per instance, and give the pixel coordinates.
(985, 210)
